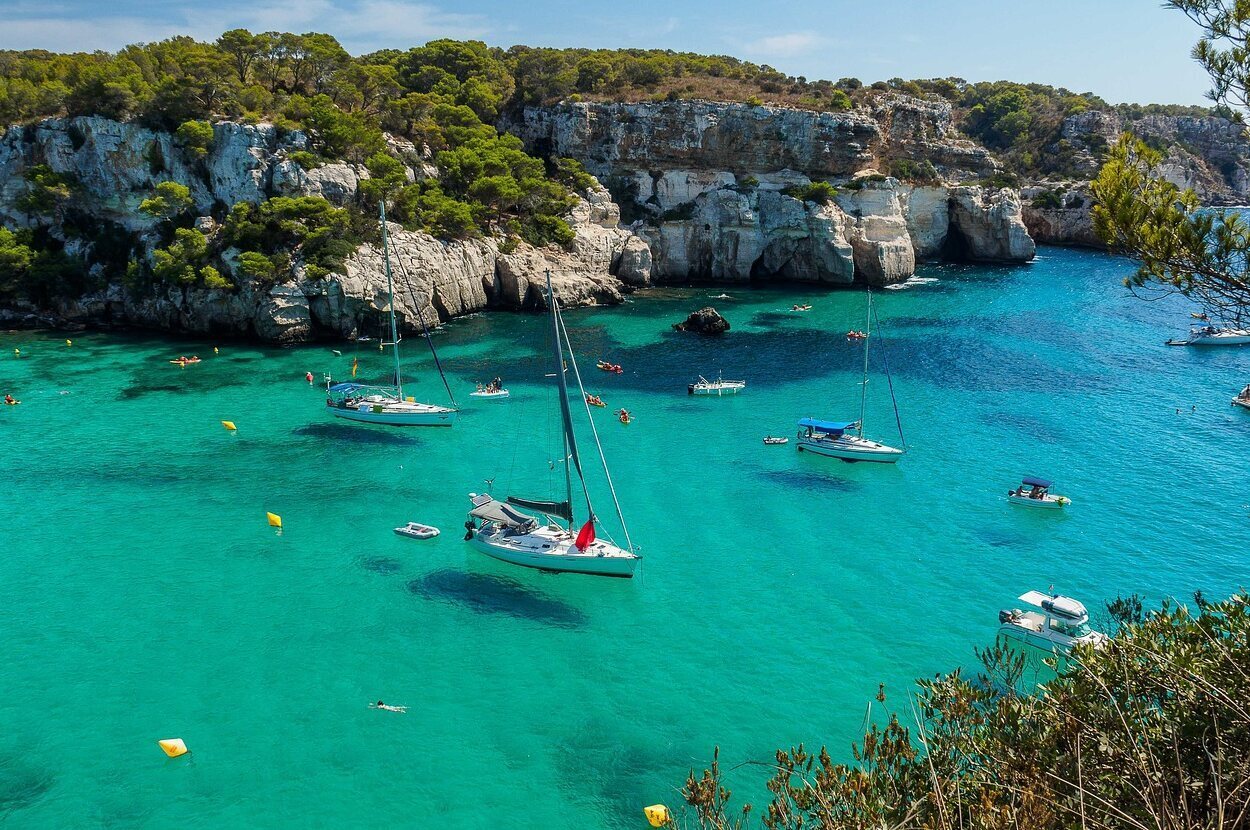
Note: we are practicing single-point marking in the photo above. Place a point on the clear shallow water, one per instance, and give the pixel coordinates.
(142, 595)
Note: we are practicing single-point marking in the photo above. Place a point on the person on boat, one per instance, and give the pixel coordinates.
(308, 376)
(9, 400)
(1245, 393)
(388, 708)
(1035, 493)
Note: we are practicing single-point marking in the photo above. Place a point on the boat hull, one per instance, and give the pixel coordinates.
(563, 558)
(1244, 403)
(1048, 503)
(850, 450)
(431, 417)
(716, 392)
(489, 396)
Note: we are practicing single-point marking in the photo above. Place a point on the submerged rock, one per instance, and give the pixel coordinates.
(704, 321)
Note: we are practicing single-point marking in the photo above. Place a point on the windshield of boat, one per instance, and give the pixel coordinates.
(1074, 630)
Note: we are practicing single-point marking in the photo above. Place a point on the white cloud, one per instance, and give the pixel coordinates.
(785, 45)
(361, 25)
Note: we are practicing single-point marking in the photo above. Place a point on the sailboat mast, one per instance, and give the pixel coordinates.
(863, 386)
(390, 290)
(570, 440)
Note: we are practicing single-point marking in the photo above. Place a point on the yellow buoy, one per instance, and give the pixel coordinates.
(229, 425)
(657, 815)
(17, 352)
(216, 350)
(69, 342)
(174, 747)
(274, 519)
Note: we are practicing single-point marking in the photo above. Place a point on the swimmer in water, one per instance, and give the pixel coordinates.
(381, 705)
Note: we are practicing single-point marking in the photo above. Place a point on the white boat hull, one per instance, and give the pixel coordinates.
(489, 396)
(1227, 337)
(849, 448)
(1049, 502)
(397, 415)
(1242, 402)
(717, 390)
(553, 550)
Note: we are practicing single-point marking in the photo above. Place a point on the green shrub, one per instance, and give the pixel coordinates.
(912, 171)
(1047, 199)
(168, 199)
(305, 159)
(196, 137)
(818, 192)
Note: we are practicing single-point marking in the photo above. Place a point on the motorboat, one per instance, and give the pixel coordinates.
(1055, 623)
(387, 405)
(1243, 398)
(1214, 336)
(1035, 492)
(845, 439)
(502, 531)
(416, 530)
(717, 388)
(772, 441)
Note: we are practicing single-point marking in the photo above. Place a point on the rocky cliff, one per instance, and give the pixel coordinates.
(714, 186)
(1208, 154)
(713, 191)
(118, 164)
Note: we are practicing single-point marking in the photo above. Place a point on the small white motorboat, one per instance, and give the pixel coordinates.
(489, 394)
(1214, 336)
(1059, 623)
(416, 530)
(1035, 492)
(718, 387)
(776, 440)
(1243, 398)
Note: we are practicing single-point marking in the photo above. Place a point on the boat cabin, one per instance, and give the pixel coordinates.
(351, 395)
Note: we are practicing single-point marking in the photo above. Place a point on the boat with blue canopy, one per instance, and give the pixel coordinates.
(387, 405)
(1035, 492)
(845, 439)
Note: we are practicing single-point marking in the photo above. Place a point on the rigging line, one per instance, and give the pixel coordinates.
(885, 361)
(570, 439)
(595, 432)
(426, 330)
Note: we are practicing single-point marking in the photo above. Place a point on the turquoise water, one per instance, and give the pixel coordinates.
(143, 596)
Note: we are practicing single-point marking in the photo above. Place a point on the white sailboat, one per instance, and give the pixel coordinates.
(499, 530)
(1214, 336)
(845, 439)
(387, 405)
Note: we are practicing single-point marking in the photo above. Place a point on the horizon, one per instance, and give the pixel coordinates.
(1148, 62)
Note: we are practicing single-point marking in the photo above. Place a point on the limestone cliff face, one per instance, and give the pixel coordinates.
(1208, 154)
(1060, 214)
(710, 180)
(118, 165)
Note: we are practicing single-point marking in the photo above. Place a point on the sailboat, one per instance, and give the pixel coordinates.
(845, 439)
(372, 404)
(501, 531)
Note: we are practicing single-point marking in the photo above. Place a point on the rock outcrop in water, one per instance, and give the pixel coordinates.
(704, 321)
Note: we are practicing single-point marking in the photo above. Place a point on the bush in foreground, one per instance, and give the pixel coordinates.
(1150, 731)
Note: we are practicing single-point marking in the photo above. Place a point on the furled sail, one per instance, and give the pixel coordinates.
(552, 508)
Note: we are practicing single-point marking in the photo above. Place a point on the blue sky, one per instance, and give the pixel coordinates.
(1123, 50)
